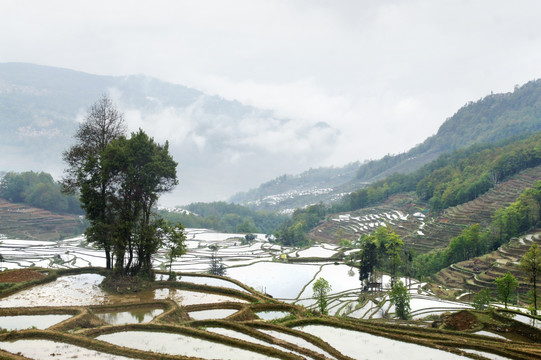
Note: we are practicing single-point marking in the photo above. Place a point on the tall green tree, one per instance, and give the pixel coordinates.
(217, 267)
(530, 263)
(481, 300)
(174, 242)
(383, 247)
(369, 260)
(141, 171)
(85, 175)
(320, 290)
(506, 285)
(400, 297)
(393, 249)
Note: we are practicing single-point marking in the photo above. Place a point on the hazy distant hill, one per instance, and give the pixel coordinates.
(218, 154)
(292, 191)
(493, 118)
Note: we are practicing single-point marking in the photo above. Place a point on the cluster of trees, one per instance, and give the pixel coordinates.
(520, 215)
(508, 222)
(383, 250)
(293, 231)
(380, 250)
(39, 190)
(226, 217)
(119, 180)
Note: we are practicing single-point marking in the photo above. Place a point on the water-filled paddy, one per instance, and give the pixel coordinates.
(65, 291)
(45, 349)
(340, 277)
(135, 316)
(211, 314)
(295, 340)
(272, 315)
(186, 297)
(242, 336)
(283, 281)
(212, 282)
(316, 251)
(20, 322)
(177, 344)
(360, 345)
(491, 334)
(528, 320)
(84, 290)
(485, 354)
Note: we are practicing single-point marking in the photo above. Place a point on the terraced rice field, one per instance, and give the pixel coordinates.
(26, 222)
(168, 329)
(258, 266)
(480, 272)
(263, 309)
(420, 230)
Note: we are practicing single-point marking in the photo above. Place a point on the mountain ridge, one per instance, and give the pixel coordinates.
(490, 119)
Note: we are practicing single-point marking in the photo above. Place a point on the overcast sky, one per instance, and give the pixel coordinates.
(386, 74)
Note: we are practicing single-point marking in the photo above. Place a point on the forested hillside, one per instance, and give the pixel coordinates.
(454, 178)
(492, 119)
(451, 180)
(221, 216)
(38, 190)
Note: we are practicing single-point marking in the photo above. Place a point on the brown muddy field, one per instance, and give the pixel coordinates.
(18, 276)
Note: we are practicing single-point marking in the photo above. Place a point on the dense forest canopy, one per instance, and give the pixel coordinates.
(39, 190)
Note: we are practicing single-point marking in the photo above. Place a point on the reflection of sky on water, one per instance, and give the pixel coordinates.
(135, 316)
(83, 290)
(42, 349)
(359, 345)
(20, 322)
(283, 281)
(177, 344)
(211, 314)
(271, 315)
